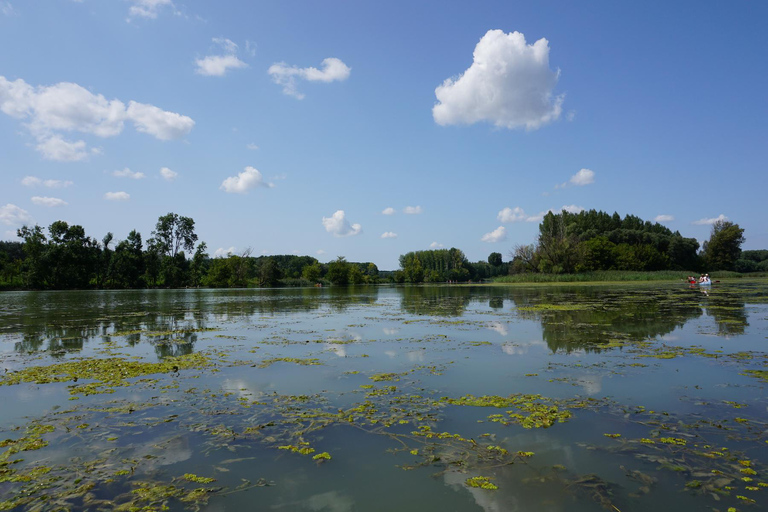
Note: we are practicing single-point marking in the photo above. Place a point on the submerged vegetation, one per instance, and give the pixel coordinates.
(269, 400)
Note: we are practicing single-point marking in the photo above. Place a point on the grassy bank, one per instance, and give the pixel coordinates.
(618, 275)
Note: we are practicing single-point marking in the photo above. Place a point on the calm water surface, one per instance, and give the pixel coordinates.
(624, 398)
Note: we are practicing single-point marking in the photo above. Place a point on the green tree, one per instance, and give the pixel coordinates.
(34, 243)
(338, 271)
(127, 264)
(724, 245)
(312, 272)
(172, 236)
(269, 273)
(494, 259)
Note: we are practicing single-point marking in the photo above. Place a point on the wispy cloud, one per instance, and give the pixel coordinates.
(12, 215)
(34, 181)
(389, 234)
(705, 222)
(332, 70)
(117, 196)
(127, 173)
(218, 65)
(664, 218)
(413, 210)
(50, 202)
(167, 174)
(388, 211)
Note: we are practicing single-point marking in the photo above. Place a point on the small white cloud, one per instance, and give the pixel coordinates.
(389, 234)
(117, 196)
(7, 9)
(159, 123)
(508, 84)
(497, 235)
(34, 181)
(320, 252)
(49, 201)
(508, 215)
(413, 210)
(217, 65)
(31, 181)
(252, 146)
(338, 225)
(57, 183)
(583, 177)
(436, 245)
(664, 218)
(570, 208)
(147, 8)
(12, 215)
(57, 149)
(127, 173)
(388, 211)
(332, 70)
(224, 253)
(705, 222)
(167, 174)
(244, 181)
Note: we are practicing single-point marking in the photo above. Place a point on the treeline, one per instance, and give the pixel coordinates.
(442, 265)
(595, 240)
(63, 257)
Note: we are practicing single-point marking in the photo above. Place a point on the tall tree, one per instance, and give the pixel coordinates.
(172, 236)
(724, 245)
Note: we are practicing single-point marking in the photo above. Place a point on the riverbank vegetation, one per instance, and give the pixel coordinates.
(587, 246)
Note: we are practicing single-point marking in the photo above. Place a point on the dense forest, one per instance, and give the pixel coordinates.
(64, 257)
(595, 240)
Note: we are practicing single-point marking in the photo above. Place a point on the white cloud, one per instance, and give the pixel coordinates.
(252, 146)
(58, 149)
(31, 181)
(508, 84)
(497, 235)
(127, 173)
(388, 211)
(12, 215)
(244, 181)
(320, 252)
(332, 70)
(338, 225)
(147, 8)
(223, 253)
(159, 123)
(436, 245)
(583, 177)
(705, 222)
(48, 111)
(508, 215)
(664, 218)
(217, 65)
(389, 234)
(117, 196)
(413, 210)
(34, 181)
(168, 175)
(49, 201)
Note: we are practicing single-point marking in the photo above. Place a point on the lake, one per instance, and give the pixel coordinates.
(452, 398)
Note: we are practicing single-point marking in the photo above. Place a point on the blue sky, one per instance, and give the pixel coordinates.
(369, 129)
